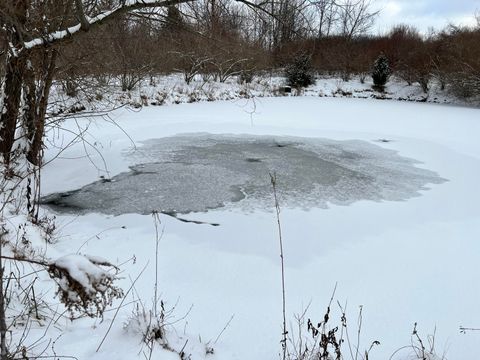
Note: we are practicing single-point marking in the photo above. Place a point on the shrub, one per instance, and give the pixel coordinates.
(246, 76)
(464, 85)
(299, 72)
(381, 71)
(84, 287)
(424, 81)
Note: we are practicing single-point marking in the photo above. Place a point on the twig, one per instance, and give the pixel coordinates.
(120, 306)
(223, 330)
(31, 261)
(359, 330)
(3, 325)
(464, 330)
(158, 236)
(344, 326)
(181, 353)
(273, 180)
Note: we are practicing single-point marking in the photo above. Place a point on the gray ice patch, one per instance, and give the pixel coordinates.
(198, 172)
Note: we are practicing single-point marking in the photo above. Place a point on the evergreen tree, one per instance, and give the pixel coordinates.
(299, 73)
(174, 20)
(381, 71)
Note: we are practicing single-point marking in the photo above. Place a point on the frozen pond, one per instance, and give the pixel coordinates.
(197, 172)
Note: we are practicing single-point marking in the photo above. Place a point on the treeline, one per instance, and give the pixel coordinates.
(449, 58)
(218, 39)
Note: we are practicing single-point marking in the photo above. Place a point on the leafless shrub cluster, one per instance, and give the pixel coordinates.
(151, 328)
(420, 348)
(327, 339)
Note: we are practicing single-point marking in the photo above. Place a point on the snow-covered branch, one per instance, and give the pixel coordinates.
(87, 23)
(84, 287)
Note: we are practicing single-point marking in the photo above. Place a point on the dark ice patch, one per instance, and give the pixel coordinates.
(198, 172)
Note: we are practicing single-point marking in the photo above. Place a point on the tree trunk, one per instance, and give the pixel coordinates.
(37, 124)
(29, 101)
(14, 73)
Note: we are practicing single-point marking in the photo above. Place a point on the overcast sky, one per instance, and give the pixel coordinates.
(425, 13)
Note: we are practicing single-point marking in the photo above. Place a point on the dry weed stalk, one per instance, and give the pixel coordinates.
(273, 180)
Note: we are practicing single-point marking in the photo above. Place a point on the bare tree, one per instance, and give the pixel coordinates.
(327, 12)
(355, 17)
(191, 64)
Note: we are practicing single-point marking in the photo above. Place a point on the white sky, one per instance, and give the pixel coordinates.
(425, 14)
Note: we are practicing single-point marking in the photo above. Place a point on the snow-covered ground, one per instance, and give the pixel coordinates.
(403, 261)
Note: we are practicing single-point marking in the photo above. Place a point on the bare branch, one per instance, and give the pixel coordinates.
(106, 16)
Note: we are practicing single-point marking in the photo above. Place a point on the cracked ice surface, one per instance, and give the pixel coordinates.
(198, 172)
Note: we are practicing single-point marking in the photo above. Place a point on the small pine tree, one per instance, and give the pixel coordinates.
(299, 73)
(381, 71)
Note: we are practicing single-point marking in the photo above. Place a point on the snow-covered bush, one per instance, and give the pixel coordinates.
(83, 285)
(299, 72)
(157, 331)
(151, 328)
(464, 85)
(381, 71)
